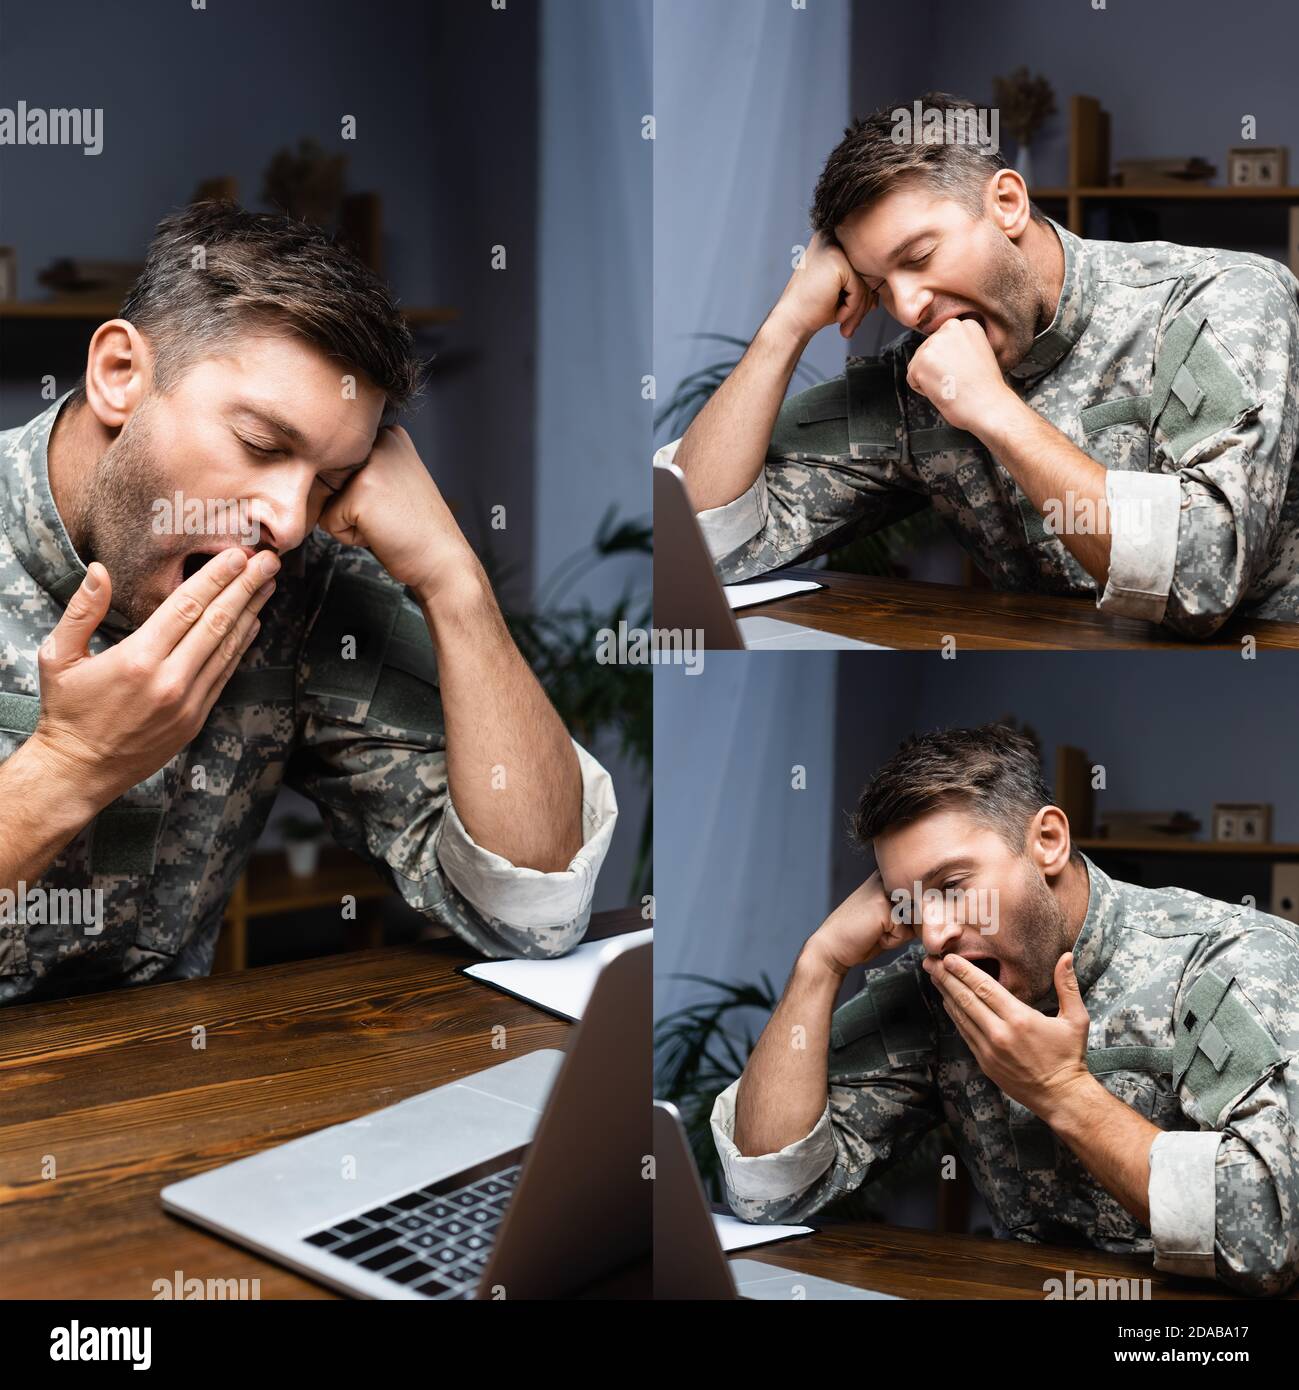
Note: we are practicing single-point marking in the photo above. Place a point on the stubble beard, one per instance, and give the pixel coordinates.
(117, 516)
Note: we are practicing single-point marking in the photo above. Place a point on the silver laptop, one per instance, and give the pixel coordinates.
(688, 1258)
(520, 1181)
(689, 595)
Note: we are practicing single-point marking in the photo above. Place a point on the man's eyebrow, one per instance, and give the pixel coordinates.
(959, 861)
(269, 417)
(902, 248)
(291, 432)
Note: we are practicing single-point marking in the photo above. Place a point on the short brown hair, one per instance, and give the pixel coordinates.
(264, 269)
(869, 162)
(994, 772)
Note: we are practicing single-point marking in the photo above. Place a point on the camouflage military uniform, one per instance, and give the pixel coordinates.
(361, 737)
(1194, 1008)
(1175, 368)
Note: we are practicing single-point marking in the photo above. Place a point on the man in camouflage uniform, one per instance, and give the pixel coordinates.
(381, 683)
(1136, 1093)
(1087, 417)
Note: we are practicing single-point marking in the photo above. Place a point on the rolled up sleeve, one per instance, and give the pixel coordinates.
(1183, 1201)
(550, 907)
(768, 1181)
(1144, 511)
(728, 527)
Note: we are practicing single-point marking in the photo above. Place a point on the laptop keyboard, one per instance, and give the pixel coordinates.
(434, 1240)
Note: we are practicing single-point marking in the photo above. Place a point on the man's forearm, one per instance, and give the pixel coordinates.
(782, 1093)
(43, 806)
(722, 452)
(1057, 477)
(1111, 1139)
(513, 775)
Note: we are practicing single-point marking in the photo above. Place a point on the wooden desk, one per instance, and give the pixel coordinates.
(908, 614)
(924, 1264)
(110, 1087)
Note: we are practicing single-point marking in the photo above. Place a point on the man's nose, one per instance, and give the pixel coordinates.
(911, 303)
(938, 932)
(283, 513)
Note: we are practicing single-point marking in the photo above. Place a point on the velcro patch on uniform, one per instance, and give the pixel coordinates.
(125, 840)
(1221, 1049)
(404, 701)
(19, 714)
(1214, 1046)
(1121, 410)
(856, 1047)
(1187, 390)
(940, 439)
(1035, 527)
(853, 416)
(854, 1018)
(813, 422)
(1196, 392)
(874, 420)
(258, 686)
(827, 400)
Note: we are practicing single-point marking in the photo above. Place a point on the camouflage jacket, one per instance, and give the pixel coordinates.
(1174, 367)
(1194, 1008)
(362, 737)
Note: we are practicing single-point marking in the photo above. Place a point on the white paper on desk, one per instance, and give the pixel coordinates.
(742, 595)
(739, 1235)
(562, 984)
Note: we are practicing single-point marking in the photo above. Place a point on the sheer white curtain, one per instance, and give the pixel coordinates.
(594, 268)
(749, 97)
(593, 425)
(741, 854)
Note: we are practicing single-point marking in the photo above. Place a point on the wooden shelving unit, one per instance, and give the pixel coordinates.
(1089, 173)
(1229, 848)
(267, 889)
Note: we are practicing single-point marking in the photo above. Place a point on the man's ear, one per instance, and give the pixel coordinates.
(1008, 203)
(1049, 840)
(119, 370)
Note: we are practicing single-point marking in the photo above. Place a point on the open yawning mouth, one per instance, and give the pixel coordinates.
(977, 318)
(194, 560)
(990, 965)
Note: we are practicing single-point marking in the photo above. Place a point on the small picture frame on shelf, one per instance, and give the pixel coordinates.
(1256, 166)
(1242, 822)
(1270, 167)
(8, 274)
(1240, 168)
